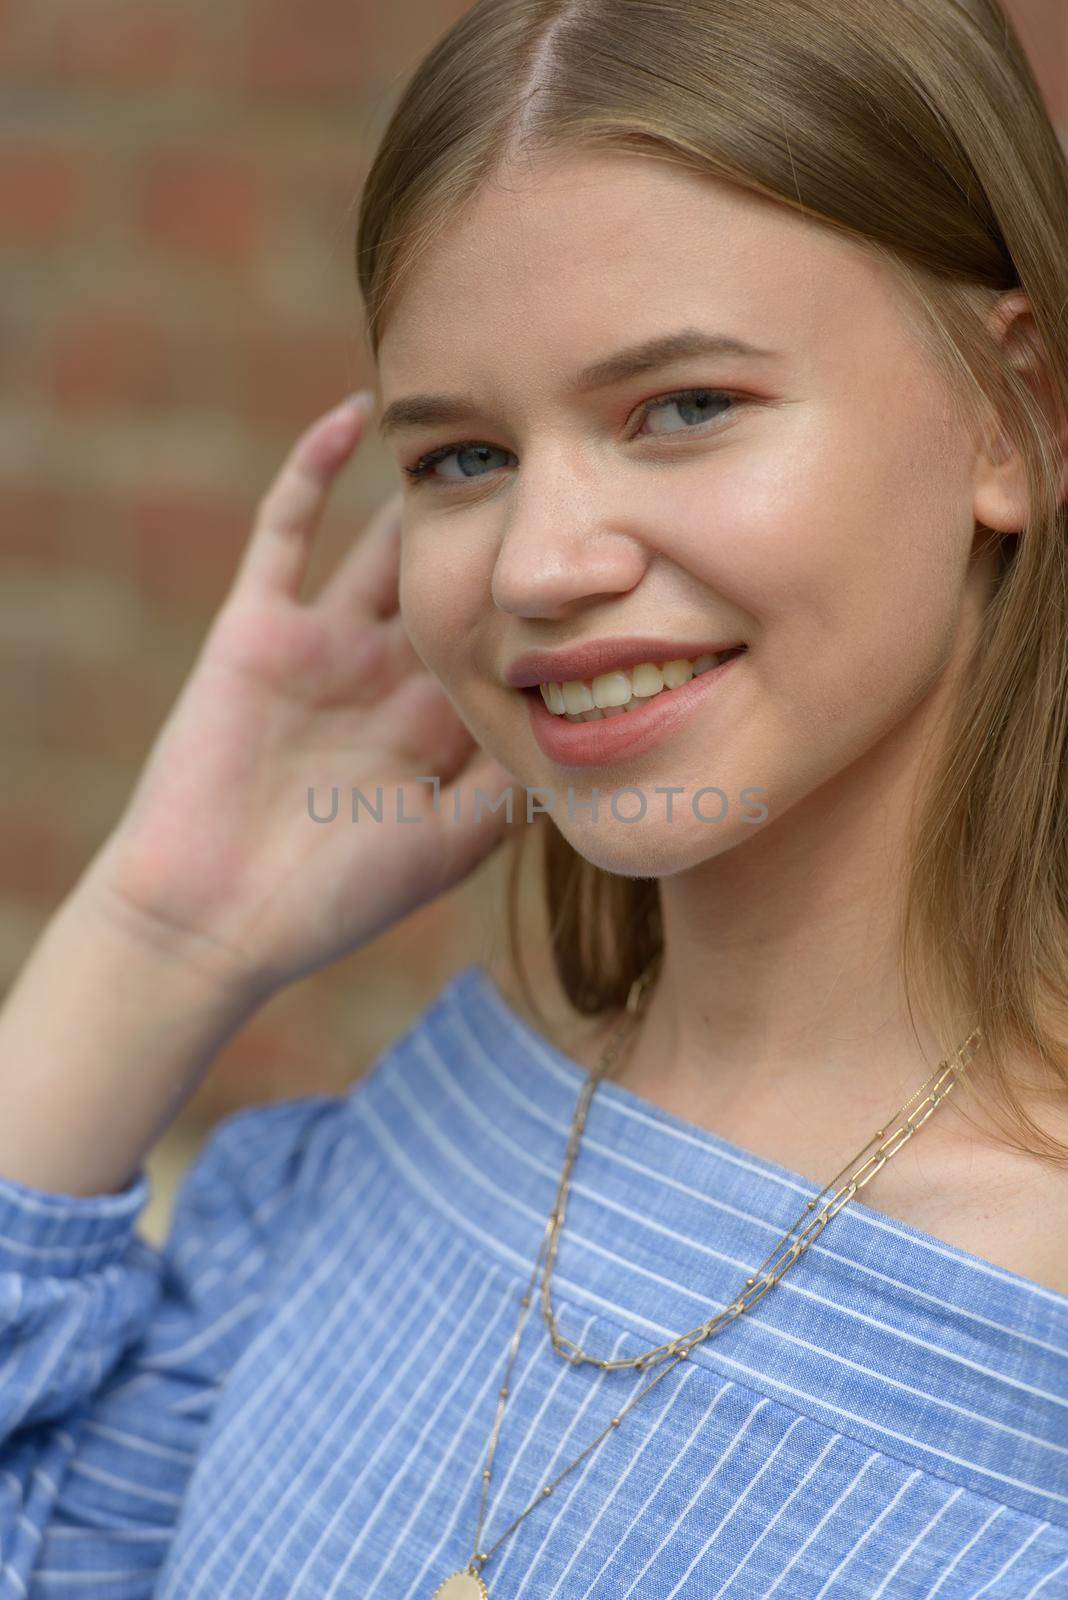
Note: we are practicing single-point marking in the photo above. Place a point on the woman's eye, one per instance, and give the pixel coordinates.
(695, 406)
(468, 457)
(691, 404)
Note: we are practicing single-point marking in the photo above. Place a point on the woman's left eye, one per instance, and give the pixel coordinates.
(690, 403)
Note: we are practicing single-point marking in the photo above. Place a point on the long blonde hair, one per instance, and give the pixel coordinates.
(917, 130)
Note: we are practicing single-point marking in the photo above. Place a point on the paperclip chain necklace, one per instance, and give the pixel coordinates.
(469, 1584)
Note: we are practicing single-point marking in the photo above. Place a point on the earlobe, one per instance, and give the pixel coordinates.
(1001, 497)
(1001, 494)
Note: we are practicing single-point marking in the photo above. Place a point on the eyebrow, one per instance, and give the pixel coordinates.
(429, 410)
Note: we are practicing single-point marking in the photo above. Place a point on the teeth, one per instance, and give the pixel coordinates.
(577, 697)
(610, 689)
(613, 694)
(648, 680)
(676, 673)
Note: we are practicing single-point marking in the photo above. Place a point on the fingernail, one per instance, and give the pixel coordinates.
(343, 411)
(359, 398)
(337, 424)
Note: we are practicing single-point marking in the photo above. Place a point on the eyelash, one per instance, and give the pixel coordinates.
(420, 470)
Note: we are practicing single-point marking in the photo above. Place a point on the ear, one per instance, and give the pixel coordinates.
(1001, 495)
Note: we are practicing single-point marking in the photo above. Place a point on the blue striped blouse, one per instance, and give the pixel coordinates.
(294, 1396)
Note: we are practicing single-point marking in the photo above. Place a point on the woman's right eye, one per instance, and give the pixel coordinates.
(422, 469)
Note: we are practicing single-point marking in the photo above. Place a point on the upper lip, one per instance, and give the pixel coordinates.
(603, 655)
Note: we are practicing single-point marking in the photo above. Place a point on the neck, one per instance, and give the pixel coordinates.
(779, 1001)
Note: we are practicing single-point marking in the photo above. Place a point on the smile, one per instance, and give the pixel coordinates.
(624, 690)
(600, 735)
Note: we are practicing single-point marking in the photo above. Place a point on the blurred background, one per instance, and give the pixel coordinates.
(178, 183)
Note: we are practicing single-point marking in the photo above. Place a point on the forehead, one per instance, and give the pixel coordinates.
(554, 263)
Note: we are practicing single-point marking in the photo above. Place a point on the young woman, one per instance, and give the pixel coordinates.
(723, 354)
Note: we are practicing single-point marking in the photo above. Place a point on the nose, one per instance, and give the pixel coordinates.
(563, 548)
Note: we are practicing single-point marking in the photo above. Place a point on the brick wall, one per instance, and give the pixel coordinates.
(176, 191)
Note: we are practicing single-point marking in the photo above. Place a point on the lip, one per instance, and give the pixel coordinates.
(604, 655)
(605, 739)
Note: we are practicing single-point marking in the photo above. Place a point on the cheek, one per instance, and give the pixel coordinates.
(438, 605)
(847, 547)
(856, 531)
(416, 602)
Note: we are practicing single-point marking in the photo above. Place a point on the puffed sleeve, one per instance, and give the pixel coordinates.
(113, 1350)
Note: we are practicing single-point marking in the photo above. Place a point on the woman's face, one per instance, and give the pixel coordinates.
(817, 505)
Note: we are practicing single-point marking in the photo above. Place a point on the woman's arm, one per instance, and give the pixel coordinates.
(104, 1036)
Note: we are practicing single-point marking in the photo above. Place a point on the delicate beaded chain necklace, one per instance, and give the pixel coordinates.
(469, 1584)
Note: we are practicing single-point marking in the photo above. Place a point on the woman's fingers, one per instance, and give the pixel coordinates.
(277, 555)
(367, 577)
(377, 657)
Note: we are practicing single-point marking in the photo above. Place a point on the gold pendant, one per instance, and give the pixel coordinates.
(462, 1586)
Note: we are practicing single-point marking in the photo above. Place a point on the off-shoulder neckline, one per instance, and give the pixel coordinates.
(697, 1134)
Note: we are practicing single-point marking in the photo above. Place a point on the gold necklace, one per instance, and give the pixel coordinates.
(468, 1584)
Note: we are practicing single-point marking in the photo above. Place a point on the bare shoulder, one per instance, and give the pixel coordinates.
(1011, 1212)
(1005, 1206)
(954, 1181)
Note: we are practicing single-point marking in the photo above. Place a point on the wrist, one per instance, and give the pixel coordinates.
(154, 946)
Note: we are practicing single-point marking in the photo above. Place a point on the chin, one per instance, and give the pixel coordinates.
(653, 847)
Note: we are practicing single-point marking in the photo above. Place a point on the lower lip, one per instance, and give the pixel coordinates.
(591, 744)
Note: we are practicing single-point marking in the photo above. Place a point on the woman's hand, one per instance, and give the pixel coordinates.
(217, 856)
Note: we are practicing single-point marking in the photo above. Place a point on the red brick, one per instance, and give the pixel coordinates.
(110, 356)
(274, 1057)
(107, 708)
(37, 862)
(201, 203)
(319, 195)
(126, 44)
(20, 327)
(118, 356)
(186, 545)
(304, 48)
(24, 671)
(42, 193)
(291, 376)
(11, 27)
(94, 533)
(313, 47)
(33, 521)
